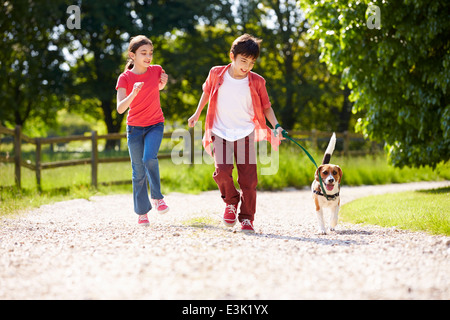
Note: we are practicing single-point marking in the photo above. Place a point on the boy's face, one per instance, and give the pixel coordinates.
(242, 65)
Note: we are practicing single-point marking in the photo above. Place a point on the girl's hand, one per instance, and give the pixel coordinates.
(164, 78)
(137, 87)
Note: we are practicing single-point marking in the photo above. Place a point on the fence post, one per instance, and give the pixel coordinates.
(38, 163)
(192, 155)
(94, 159)
(17, 155)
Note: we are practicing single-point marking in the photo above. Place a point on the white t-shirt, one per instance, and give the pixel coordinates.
(234, 115)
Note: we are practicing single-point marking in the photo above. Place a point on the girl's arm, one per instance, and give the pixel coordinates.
(124, 101)
(270, 115)
(194, 118)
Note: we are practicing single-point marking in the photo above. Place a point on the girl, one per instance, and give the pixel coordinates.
(138, 89)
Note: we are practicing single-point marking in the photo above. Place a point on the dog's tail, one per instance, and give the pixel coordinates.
(330, 149)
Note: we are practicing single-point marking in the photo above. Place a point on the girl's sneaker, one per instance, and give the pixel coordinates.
(143, 220)
(247, 226)
(230, 215)
(160, 205)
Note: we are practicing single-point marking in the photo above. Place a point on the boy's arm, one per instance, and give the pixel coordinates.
(270, 115)
(268, 111)
(201, 104)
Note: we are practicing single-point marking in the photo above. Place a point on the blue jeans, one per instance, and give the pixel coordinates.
(143, 145)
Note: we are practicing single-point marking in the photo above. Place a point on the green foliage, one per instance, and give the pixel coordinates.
(399, 74)
(32, 81)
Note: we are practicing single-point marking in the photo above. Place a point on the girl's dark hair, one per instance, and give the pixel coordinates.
(246, 45)
(135, 43)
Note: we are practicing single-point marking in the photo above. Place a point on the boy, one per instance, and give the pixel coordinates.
(236, 118)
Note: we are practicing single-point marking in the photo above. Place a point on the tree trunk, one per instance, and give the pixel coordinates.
(113, 121)
(346, 112)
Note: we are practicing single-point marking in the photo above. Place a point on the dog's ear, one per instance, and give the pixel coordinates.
(340, 173)
(319, 169)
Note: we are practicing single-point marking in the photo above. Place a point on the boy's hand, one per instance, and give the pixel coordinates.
(279, 133)
(193, 120)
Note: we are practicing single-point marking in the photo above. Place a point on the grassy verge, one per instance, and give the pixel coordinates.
(427, 210)
(294, 169)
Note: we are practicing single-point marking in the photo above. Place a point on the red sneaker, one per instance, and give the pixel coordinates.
(160, 205)
(143, 220)
(247, 226)
(230, 215)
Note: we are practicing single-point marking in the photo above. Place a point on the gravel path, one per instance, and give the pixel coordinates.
(94, 249)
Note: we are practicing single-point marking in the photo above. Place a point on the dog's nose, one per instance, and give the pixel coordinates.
(331, 180)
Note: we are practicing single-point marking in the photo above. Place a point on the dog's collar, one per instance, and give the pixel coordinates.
(329, 196)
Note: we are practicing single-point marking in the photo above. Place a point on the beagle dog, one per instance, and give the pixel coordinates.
(331, 177)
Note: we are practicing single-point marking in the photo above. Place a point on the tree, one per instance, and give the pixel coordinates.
(399, 73)
(32, 79)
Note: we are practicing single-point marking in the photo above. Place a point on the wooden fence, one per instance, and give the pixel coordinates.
(19, 138)
(94, 160)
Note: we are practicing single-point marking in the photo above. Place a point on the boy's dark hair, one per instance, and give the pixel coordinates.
(246, 45)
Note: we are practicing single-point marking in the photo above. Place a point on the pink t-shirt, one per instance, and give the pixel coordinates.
(145, 110)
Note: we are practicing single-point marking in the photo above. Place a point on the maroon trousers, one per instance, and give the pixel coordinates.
(243, 152)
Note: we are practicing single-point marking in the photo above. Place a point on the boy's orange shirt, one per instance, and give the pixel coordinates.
(260, 100)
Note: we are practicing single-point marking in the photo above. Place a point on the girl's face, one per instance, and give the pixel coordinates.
(241, 65)
(143, 56)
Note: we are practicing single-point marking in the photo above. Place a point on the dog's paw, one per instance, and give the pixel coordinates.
(322, 231)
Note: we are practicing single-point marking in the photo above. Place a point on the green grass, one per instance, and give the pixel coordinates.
(419, 211)
(14, 201)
